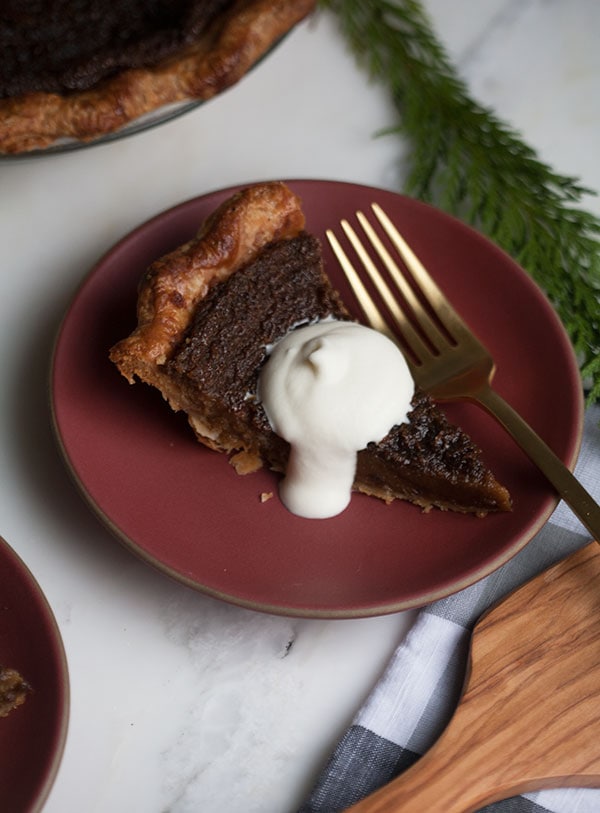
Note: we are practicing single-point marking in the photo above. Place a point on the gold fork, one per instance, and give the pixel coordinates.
(445, 357)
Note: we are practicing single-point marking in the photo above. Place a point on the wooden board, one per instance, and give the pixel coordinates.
(529, 716)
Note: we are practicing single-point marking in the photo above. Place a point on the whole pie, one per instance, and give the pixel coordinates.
(79, 70)
(208, 311)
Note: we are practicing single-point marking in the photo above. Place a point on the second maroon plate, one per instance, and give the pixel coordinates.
(32, 736)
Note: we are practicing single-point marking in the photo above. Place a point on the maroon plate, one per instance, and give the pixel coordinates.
(184, 509)
(32, 736)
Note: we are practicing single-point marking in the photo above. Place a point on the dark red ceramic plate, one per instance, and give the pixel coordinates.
(184, 509)
(32, 736)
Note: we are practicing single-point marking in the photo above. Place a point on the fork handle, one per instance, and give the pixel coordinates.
(585, 508)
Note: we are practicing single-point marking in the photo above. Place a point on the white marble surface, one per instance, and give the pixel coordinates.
(181, 703)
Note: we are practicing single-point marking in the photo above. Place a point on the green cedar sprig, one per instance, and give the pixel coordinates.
(466, 161)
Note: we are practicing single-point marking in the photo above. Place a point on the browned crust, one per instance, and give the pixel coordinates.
(232, 46)
(174, 285)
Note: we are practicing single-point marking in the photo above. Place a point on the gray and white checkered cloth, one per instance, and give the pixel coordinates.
(417, 694)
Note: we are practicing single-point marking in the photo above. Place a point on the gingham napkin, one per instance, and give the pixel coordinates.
(417, 694)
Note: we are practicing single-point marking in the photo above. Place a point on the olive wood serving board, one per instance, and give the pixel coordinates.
(529, 715)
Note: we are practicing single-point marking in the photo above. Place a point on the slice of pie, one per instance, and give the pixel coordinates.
(207, 314)
(81, 70)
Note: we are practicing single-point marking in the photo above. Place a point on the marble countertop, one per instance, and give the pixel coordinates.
(180, 702)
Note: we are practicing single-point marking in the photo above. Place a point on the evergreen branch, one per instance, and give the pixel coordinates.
(469, 163)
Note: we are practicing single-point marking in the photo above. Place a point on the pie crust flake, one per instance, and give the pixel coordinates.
(13, 690)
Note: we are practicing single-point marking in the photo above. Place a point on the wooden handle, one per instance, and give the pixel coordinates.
(439, 782)
(529, 717)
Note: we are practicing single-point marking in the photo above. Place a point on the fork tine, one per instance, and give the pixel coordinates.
(369, 308)
(410, 336)
(446, 314)
(376, 277)
(429, 328)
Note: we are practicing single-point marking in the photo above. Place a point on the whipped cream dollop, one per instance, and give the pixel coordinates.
(329, 389)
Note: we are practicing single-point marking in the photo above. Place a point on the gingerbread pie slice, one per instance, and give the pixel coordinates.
(207, 314)
(80, 70)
